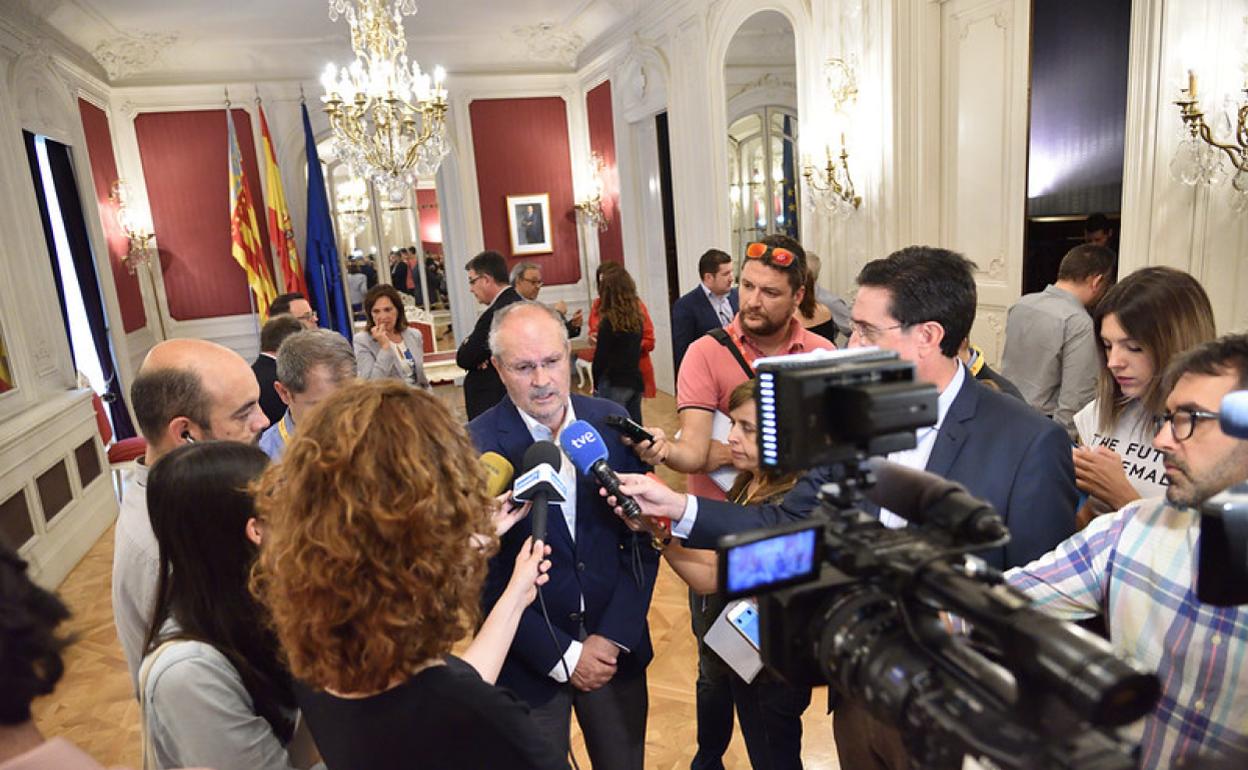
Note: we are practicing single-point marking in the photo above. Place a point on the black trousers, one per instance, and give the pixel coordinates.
(613, 719)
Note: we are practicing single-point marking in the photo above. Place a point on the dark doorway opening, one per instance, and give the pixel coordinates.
(669, 210)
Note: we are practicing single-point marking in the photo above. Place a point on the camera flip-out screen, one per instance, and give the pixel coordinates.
(754, 562)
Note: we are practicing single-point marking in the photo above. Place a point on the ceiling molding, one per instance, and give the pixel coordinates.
(131, 54)
(547, 41)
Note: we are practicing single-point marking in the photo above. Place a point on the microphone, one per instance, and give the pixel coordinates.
(925, 498)
(498, 473)
(1233, 414)
(584, 445)
(540, 483)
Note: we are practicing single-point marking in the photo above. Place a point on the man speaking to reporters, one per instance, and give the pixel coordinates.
(602, 574)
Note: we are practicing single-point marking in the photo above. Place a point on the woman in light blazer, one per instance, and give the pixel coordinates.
(388, 347)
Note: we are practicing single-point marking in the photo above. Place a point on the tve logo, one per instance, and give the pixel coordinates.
(585, 439)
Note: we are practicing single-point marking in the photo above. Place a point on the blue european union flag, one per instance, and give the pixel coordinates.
(324, 275)
(790, 182)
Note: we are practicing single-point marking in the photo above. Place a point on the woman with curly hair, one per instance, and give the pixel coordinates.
(617, 357)
(377, 533)
(1143, 322)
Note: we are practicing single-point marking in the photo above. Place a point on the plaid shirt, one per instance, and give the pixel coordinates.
(1137, 567)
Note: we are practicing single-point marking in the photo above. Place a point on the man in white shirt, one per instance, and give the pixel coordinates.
(602, 574)
(187, 390)
(711, 304)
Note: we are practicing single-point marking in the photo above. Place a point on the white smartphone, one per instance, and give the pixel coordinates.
(744, 617)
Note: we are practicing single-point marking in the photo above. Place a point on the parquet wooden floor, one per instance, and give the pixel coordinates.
(93, 705)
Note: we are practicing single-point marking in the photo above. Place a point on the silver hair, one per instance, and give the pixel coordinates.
(300, 352)
(518, 270)
(501, 316)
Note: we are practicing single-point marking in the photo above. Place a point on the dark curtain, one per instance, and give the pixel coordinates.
(75, 225)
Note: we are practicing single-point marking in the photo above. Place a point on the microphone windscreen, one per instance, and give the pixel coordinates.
(583, 444)
(498, 473)
(541, 452)
(905, 491)
(1233, 414)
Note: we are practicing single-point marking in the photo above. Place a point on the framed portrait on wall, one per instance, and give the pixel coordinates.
(528, 217)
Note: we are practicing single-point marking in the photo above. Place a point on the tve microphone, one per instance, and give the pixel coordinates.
(589, 454)
(1233, 414)
(925, 498)
(541, 483)
(498, 473)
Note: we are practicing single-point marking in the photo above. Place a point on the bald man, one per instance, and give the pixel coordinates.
(186, 391)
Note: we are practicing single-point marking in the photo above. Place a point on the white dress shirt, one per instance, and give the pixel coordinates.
(721, 305)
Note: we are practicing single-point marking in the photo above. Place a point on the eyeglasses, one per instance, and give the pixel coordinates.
(535, 281)
(779, 255)
(309, 316)
(474, 279)
(1182, 421)
(870, 333)
(529, 368)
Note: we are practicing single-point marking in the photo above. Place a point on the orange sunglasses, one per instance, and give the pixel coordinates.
(779, 255)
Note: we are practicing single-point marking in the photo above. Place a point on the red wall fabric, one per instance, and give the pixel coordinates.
(602, 141)
(186, 167)
(429, 217)
(521, 147)
(104, 174)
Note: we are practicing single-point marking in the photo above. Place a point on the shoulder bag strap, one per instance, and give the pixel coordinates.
(145, 733)
(722, 338)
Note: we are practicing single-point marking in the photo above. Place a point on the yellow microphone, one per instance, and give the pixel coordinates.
(498, 473)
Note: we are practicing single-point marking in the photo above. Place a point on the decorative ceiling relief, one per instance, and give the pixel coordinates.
(130, 54)
(546, 41)
(767, 80)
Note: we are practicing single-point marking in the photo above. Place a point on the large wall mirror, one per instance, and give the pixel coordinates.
(760, 77)
(381, 240)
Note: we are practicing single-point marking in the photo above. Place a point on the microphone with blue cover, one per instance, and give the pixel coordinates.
(540, 483)
(1233, 414)
(585, 446)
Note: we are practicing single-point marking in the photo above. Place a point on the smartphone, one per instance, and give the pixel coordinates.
(744, 617)
(629, 428)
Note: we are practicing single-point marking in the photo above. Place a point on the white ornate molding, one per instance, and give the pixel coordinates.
(768, 80)
(130, 54)
(547, 41)
(639, 82)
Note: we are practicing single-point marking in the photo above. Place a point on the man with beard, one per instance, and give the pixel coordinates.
(187, 390)
(1136, 569)
(771, 288)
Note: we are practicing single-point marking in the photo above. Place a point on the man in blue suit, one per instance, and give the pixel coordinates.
(710, 305)
(602, 574)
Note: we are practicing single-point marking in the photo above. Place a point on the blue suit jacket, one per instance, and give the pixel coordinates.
(1000, 449)
(693, 316)
(607, 564)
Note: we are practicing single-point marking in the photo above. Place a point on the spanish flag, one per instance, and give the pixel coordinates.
(280, 230)
(246, 246)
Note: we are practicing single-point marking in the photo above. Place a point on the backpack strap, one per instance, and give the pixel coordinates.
(722, 338)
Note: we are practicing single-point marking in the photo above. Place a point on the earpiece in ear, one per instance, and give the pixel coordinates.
(186, 436)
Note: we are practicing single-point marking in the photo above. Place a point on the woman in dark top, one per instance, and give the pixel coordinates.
(617, 356)
(377, 530)
(815, 316)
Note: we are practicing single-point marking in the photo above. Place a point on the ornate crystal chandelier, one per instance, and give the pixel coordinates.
(388, 117)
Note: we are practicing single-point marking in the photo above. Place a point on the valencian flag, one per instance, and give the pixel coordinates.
(280, 231)
(324, 274)
(245, 242)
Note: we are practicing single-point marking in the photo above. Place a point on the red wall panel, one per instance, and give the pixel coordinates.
(186, 167)
(429, 218)
(103, 174)
(602, 141)
(521, 148)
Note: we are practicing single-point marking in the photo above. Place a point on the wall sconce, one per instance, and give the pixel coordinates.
(590, 210)
(831, 188)
(139, 252)
(1201, 158)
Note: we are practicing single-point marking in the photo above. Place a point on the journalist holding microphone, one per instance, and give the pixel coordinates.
(592, 656)
(376, 529)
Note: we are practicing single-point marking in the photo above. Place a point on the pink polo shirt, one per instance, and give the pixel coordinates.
(709, 373)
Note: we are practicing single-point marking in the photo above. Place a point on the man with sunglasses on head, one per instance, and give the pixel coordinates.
(771, 288)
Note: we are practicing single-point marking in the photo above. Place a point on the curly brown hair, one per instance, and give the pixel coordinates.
(620, 303)
(367, 565)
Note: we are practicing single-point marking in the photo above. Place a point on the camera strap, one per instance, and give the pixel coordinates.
(722, 338)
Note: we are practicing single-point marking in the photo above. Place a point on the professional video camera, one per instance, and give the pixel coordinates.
(1222, 574)
(846, 601)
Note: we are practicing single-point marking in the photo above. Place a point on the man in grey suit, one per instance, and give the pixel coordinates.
(710, 305)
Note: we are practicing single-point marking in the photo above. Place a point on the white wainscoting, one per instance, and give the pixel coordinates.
(31, 444)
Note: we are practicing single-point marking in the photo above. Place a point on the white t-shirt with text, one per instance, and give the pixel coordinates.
(1132, 438)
